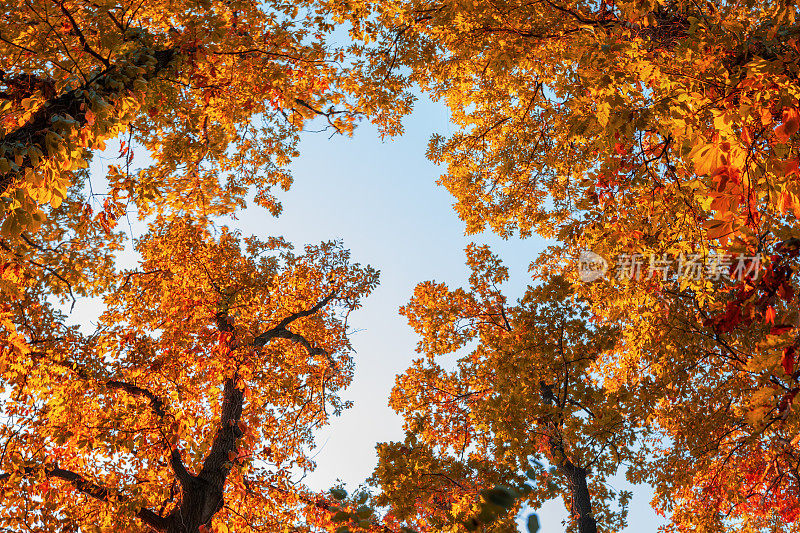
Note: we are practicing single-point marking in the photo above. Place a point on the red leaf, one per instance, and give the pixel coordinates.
(792, 166)
(779, 329)
(787, 360)
(785, 291)
(787, 399)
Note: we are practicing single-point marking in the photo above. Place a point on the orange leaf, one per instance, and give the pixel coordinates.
(708, 158)
(769, 315)
(718, 229)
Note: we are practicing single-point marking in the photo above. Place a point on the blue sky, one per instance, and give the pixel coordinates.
(381, 199)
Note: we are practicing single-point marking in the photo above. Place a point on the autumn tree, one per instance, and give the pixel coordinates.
(213, 92)
(190, 404)
(664, 131)
(520, 411)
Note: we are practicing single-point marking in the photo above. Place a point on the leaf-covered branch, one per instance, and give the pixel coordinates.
(88, 487)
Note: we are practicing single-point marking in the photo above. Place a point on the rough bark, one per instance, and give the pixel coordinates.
(581, 499)
(576, 475)
(72, 103)
(202, 494)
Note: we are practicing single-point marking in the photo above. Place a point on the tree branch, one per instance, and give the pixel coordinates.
(181, 473)
(576, 475)
(156, 403)
(74, 104)
(202, 495)
(280, 330)
(81, 37)
(90, 488)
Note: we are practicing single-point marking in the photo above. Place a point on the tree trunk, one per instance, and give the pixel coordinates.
(202, 494)
(576, 475)
(581, 499)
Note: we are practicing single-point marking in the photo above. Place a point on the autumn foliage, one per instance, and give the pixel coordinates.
(207, 400)
(189, 404)
(655, 130)
(666, 131)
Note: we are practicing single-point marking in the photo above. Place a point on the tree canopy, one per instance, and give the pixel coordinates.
(658, 139)
(195, 397)
(213, 92)
(191, 404)
(655, 143)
